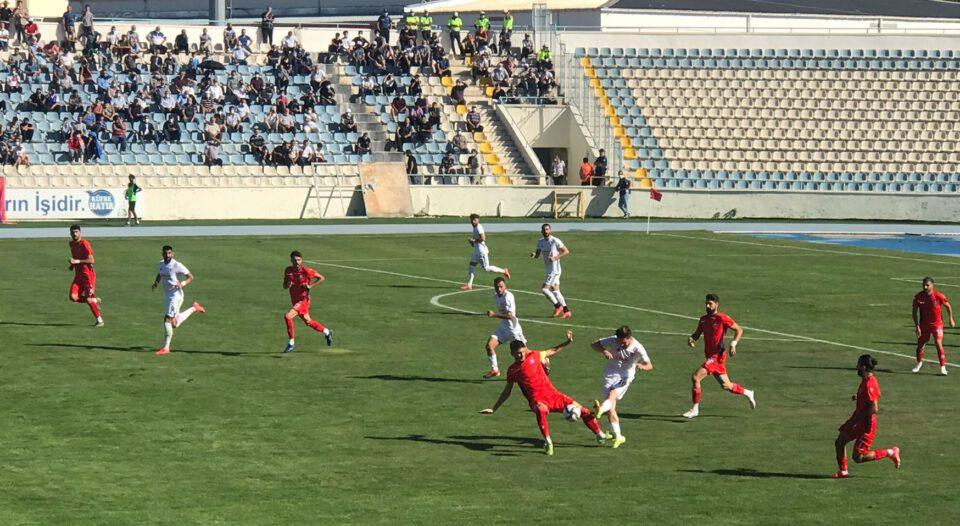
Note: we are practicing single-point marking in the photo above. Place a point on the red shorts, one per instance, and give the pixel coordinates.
(857, 430)
(302, 307)
(714, 367)
(554, 401)
(84, 286)
(926, 331)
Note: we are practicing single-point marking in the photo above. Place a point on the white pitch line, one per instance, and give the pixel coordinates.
(808, 249)
(641, 309)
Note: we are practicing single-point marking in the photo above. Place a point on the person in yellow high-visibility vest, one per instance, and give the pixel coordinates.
(505, 35)
(426, 26)
(412, 22)
(454, 24)
(482, 22)
(544, 58)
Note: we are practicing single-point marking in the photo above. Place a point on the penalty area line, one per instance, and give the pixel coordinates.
(642, 309)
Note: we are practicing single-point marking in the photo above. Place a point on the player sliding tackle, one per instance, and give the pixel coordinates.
(527, 370)
(84, 286)
(300, 279)
(169, 271)
(481, 254)
(713, 326)
(862, 424)
(625, 356)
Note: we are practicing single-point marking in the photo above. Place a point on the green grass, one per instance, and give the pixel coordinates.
(383, 428)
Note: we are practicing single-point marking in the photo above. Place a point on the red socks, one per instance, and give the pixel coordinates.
(542, 420)
(315, 325)
(696, 395)
(590, 421)
(943, 356)
(289, 323)
(843, 463)
(736, 389)
(920, 354)
(94, 307)
(880, 453)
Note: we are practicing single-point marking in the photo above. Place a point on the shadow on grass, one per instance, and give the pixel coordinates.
(752, 473)
(498, 445)
(32, 324)
(141, 349)
(679, 419)
(410, 378)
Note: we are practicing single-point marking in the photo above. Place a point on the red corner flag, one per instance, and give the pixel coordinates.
(655, 195)
(3, 201)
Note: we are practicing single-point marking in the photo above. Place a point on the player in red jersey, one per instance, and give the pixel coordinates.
(862, 424)
(300, 279)
(84, 286)
(928, 303)
(527, 370)
(713, 326)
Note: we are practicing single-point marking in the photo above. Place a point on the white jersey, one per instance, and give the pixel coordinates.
(507, 305)
(550, 247)
(170, 275)
(478, 235)
(624, 361)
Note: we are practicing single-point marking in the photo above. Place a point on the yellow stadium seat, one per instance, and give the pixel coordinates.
(585, 62)
(446, 81)
(497, 170)
(629, 153)
(489, 91)
(485, 148)
(479, 137)
(594, 83)
(461, 109)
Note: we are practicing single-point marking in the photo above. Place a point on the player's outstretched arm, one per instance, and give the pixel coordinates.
(597, 346)
(738, 333)
(560, 346)
(504, 395)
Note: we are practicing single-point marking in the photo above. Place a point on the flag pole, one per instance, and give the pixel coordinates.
(649, 209)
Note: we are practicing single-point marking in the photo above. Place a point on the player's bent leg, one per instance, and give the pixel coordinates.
(491, 349)
(736, 389)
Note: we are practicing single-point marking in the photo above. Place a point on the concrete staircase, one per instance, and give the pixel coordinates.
(368, 121)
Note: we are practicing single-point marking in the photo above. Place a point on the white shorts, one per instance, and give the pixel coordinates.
(615, 381)
(174, 301)
(552, 279)
(480, 257)
(505, 334)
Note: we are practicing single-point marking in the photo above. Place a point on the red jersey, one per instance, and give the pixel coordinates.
(930, 305)
(298, 280)
(714, 327)
(81, 250)
(529, 374)
(868, 392)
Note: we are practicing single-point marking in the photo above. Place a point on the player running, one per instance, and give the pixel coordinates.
(713, 326)
(862, 424)
(509, 329)
(542, 396)
(300, 279)
(552, 250)
(928, 303)
(169, 271)
(481, 254)
(624, 356)
(84, 286)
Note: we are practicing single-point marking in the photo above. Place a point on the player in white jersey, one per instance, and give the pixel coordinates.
(552, 250)
(481, 254)
(509, 329)
(169, 272)
(624, 357)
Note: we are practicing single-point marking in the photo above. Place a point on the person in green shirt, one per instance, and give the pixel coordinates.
(426, 26)
(454, 23)
(131, 196)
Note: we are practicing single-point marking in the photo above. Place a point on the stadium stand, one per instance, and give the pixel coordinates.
(877, 120)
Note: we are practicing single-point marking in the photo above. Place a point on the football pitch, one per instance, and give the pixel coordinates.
(383, 426)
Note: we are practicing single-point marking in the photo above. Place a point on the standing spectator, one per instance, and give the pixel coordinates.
(86, 22)
(244, 40)
(623, 189)
(426, 27)
(266, 26)
(69, 21)
(600, 169)
(229, 37)
(93, 148)
(131, 196)
(482, 23)
(586, 172)
(181, 44)
(4, 37)
(526, 49)
(211, 154)
(206, 42)
(559, 170)
(384, 24)
(412, 168)
(476, 169)
(6, 15)
(157, 40)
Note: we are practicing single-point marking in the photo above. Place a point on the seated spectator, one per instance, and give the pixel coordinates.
(229, 37)
(280, 156)
(36, 100)
(271, 120)
(389, 85)
(20, 155)
(308, 154)
(473, 120)
(181, 44)
(404, 134)
(31, 29)
(311, 123)
(367, 87)
(433, 116)
(171, 129)
(4, 37)
(157, 40)
(258, 147)
(416, 87)
(289, 42)
(52, 102)
(147, 132)
(244, 40)
(212, 131)
(398, 106)
(13, 84)
(232, 121)
(457, 144)
(457, 92)
(480, 66)
(239, 56)
(118, 133)
(211, 154)
(441, 67)
(287, 122)
(447, 168)
(317, 76)
(326, 95)
(75, 146)
(363, 145)
(347, 122)
(206, 42)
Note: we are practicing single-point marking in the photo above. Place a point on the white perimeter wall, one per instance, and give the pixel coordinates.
(280, 202)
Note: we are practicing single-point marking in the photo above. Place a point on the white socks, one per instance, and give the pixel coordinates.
(290, 342)
(493, 362)
(549, 294)
(491, 268)
(606, 406)
(167, 334)
(182, 317)
(470, 276)
(615, 426)
(560, 300)
(326, 331)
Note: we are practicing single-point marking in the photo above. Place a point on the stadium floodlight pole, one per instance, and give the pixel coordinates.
(218, 12)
